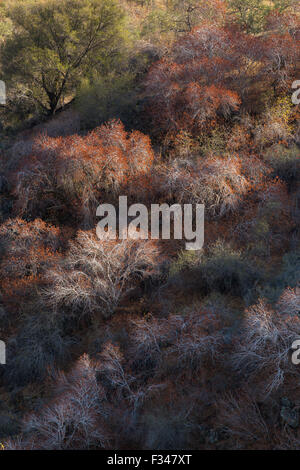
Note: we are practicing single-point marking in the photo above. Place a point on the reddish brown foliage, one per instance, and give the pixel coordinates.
(28, 250)
(212, 71)
(65, 176)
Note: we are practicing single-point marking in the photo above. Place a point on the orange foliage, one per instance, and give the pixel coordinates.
(28, 250)
(66, 173)
(212, 71)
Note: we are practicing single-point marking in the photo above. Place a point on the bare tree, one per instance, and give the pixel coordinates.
(97, 274)
(266, 340)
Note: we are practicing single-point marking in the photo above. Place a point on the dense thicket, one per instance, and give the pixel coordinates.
(140, 343)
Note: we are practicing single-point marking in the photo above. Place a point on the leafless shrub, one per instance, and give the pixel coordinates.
(289, 302)
(191, 338)
(73, 421)
(97, 274)
(215, 182)
(27, 248)
(274, 125)
(267, 336)
(38, 348)
(242, 419)
(149, 334)
(199, 340)
(111, 368)
(62, 172)
(126, 392)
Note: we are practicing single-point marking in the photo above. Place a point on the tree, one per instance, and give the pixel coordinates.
(190, 13)
(267, 335)
(60, 173)
(213, 72)
(281, 57)
(74, 419)
(181, 16)
(55, 42)
(197, 85)
(241, 417)
(218, 183)
(27, 252)
(251, 15)
(98, 274)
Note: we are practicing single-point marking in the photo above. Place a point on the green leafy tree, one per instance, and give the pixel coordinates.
(251, 14)
(57, 42)
(181, 16)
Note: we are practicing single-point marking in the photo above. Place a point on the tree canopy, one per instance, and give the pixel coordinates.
(55, 42)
